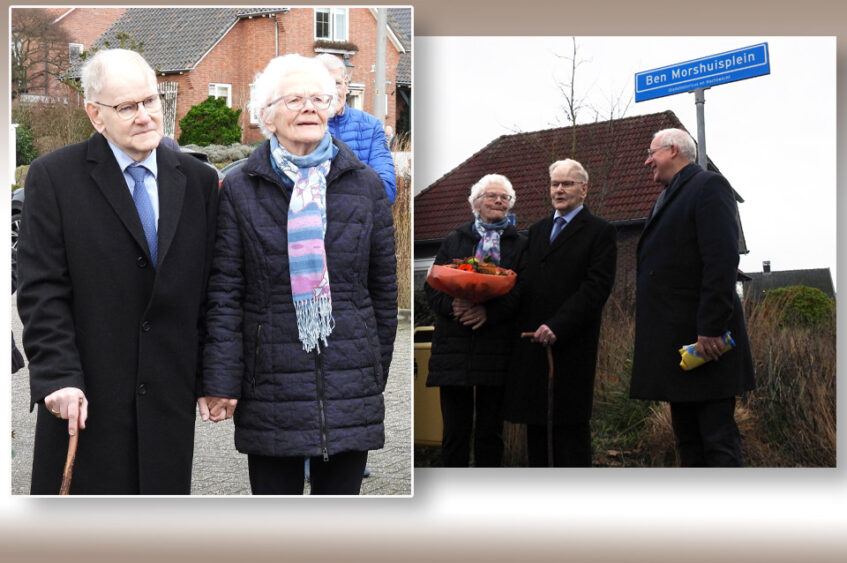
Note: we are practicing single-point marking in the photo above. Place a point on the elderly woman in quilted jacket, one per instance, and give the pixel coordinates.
(302, 306)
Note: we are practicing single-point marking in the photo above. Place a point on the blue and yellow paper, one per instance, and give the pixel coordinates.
(691, 358)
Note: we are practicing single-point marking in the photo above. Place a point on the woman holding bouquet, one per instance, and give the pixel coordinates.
(472, 342)
(302, 298)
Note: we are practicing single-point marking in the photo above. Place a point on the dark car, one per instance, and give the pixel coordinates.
(234, 165)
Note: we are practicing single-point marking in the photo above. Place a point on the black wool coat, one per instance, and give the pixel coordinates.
(563, 285)
(290, 402)
(99, 317)
(461, 356)
(687, 267)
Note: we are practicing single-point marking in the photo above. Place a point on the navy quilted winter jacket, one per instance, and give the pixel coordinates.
(364, 134)
(293, 403)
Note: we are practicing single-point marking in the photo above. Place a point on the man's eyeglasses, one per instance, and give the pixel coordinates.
(566, 183)
(296, 102)
(493, 197)
(128, 110)
(651, 152)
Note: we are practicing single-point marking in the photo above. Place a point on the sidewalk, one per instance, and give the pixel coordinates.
(218, 468)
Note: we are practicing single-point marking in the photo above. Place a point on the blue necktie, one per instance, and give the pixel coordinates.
(145, 209)
(558, 225)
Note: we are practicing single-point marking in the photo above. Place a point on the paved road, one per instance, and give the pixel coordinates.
(218, 468)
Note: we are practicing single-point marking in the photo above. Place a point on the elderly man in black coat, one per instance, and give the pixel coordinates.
(114, 252)
(565, 276)
(686, 276)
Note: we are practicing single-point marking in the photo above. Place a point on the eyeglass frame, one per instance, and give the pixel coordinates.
(493, 197)
(310, 98)
(566, 183)
(138, 104)
(651, 152)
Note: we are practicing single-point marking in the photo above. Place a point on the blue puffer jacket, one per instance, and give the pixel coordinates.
(293, 403)
(364, 134)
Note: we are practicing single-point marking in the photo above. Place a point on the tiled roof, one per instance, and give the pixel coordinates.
(173, 38)
(177, 38)
(613, 152)
(819, 278)
(400, 20)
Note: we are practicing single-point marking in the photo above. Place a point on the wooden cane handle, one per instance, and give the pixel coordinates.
(527, 334)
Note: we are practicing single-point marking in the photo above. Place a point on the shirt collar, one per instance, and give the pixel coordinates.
(124, 160)
(568, 216)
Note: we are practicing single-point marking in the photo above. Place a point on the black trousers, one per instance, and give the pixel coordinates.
(472, 411)
(571, 445)
(341, 475)
(706, 433)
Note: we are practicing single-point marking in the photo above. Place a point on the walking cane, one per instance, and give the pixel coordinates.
(549, 399)
(67, 475)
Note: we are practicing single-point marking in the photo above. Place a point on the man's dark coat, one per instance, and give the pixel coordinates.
(686, 277)
(98, 316)
(563, 285)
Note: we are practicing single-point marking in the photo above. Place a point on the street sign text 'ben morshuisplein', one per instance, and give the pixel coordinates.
(704, 72)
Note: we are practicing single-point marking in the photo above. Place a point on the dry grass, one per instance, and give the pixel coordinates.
(787, 421)
(403, 236)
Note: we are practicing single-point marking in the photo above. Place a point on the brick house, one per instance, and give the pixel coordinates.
(620, 187)
(198, 52)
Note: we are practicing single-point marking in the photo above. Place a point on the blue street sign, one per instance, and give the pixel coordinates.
(704, 72)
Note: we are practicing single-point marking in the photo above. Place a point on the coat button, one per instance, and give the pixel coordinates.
(141, 262)
(141, 389)
(146, 326)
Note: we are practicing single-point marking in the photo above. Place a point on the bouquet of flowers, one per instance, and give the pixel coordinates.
(472, 279)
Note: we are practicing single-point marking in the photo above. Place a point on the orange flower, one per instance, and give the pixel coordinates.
(466, 267)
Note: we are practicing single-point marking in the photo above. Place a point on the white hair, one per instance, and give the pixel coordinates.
(572, 166)
(681, 140)
(271, 81)
(478, 189)
(331, 62)
(96, 69)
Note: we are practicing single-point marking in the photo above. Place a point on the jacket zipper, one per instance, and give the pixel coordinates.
(321, 406)
(256, 353)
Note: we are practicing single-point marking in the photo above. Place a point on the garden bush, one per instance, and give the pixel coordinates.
(25, 151)
(210, 122)
(799, 306)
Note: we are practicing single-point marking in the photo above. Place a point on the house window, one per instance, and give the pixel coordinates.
(254, 115)
(221, 91)
(356, 98)
(331, 24)
(74, 51)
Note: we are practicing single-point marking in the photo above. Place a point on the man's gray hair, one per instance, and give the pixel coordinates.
(96, 69)
(681, 140)
(331, 62)
(572, 165)
(479, 188)
(270, 83)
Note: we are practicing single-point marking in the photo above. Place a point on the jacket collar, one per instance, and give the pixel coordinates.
(108, 178)
(259, 164)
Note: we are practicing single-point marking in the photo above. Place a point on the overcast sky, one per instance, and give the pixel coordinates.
(772, 136)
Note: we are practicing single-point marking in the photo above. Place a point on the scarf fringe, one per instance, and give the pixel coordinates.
(314, 321)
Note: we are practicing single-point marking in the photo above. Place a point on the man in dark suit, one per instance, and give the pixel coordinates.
(564, 278)
(114, 252)
(685, 292)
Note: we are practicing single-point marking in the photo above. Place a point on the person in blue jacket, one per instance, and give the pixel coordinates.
(361, 131)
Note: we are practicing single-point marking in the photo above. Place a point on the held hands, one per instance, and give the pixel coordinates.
(69, 403)
(216, 409)
(469, 314)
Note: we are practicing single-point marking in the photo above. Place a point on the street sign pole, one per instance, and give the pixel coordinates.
(700, 102)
